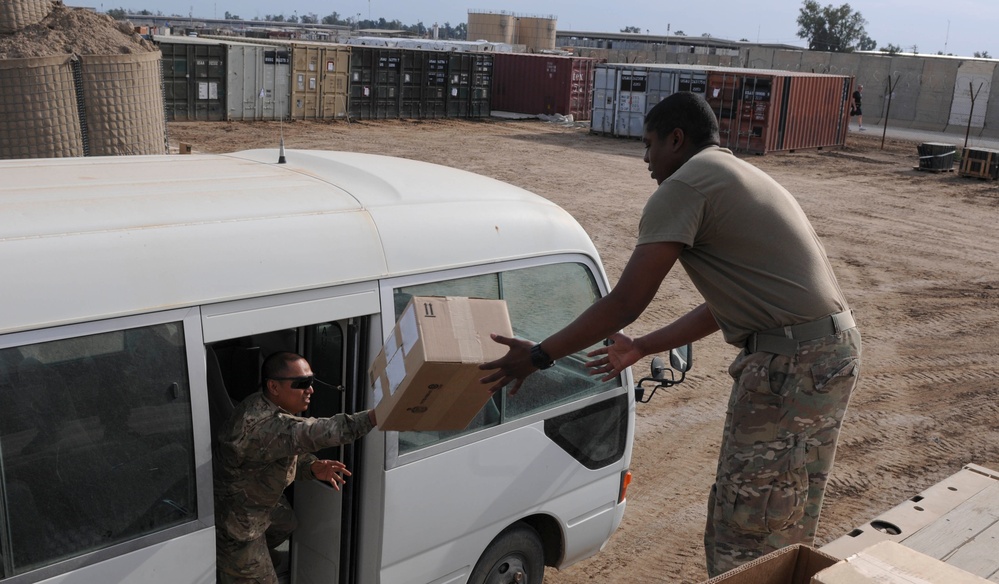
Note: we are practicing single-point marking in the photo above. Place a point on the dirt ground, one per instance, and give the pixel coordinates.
(916, 253)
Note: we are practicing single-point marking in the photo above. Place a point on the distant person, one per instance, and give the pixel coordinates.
(855, 109)
(263, 447)
(768, 286)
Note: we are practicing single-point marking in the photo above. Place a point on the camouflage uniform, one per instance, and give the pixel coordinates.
(778, 446)
(262, 449)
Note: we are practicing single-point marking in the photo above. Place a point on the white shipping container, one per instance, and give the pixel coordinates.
(623, 93)
(259, 81)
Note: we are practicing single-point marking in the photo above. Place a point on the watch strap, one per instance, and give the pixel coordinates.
(539, 358)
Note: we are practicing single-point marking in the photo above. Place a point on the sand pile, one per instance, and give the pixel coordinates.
(73, 31)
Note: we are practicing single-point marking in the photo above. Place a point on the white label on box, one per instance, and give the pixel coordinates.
(377, 391)
(395, 370)
(407, 327)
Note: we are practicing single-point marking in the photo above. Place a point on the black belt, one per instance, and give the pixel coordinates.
(784, 340)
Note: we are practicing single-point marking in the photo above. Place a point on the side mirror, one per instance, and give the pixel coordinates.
(681, 358)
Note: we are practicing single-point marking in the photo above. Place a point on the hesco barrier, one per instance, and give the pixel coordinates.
(123, 104)
(543, 84)
(194, 82)
(53, 107)
(18, 14)
(39, 116)
(319, 81)
(409, 83)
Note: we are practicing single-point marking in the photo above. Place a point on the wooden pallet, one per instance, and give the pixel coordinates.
(979, 163)
(936, 170)
(955, 521)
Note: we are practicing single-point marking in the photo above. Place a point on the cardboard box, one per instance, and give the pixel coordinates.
(794, 564)
(426, 377)
(889, 562)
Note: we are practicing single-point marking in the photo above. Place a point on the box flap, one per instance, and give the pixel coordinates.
(888, 562)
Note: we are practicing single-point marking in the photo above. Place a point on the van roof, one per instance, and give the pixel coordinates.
(86, 238)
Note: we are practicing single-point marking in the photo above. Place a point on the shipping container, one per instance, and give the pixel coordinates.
(623, 93)
(194, 80)
(319, 81)
(388, 82)
(762, 111)
(758, 111)
(256, 85)
(259, 82)
(543, 84)
(470, 78)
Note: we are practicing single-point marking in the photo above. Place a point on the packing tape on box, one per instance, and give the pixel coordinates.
(463, 328)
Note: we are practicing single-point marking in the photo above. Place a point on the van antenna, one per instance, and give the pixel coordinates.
(281, 159)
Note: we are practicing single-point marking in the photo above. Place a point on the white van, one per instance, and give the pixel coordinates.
(141, 293)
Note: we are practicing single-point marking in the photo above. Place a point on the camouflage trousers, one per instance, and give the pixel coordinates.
(781, 427)
(249, 562)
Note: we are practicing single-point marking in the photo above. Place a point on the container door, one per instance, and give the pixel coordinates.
(604, 92)
(335, 62)
(281, 101)
(755, 115)
(662, 84)
(305, 83)
(631, 104)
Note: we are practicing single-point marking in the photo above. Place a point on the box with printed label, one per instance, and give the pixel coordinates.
(794, 564)
(426, 377)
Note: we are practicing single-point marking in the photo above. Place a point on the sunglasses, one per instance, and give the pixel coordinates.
(297, 382)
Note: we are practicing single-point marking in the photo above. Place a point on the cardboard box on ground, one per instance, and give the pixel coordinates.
(794, 564)
(426, 377)
(889, 562)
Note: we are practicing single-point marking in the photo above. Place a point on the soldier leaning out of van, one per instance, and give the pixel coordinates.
(263, 446)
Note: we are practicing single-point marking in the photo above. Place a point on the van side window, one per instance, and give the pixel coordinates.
(541, 300)
(96, 442)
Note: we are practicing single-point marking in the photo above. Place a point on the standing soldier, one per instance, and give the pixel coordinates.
(768, 286)
(263, 447)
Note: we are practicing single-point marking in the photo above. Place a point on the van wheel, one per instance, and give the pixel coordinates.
(514, 557)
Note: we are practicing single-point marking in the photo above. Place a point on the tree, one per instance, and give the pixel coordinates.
(830, 28)
(117, 13)
(631, 29)
(231, 16)
(891, 49)
(333, 18)
(982, 55)
(680, 33)
(866, 43)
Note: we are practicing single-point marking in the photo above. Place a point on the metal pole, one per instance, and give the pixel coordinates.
(973, 94)
(891, 89)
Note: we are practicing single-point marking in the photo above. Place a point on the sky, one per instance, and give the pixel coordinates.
(961, 27)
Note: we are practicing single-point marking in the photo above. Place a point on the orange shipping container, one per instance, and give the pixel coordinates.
(762, 111)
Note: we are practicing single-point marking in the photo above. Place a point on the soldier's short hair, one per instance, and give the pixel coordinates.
(687, 111)
(276, 364)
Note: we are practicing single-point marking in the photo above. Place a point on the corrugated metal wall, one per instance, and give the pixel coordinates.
(543, 84)
(259, 83)
(320, 81)
(194, 79)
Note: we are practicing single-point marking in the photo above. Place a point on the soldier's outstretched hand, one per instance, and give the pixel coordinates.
(330, 471)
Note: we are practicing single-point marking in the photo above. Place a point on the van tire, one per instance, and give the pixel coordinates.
(517, 550)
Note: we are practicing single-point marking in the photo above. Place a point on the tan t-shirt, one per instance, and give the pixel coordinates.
(750, 250)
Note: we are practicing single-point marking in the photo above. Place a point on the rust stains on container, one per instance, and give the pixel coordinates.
(758, 111)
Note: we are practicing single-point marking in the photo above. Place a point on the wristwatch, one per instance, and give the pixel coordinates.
(539, 358)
